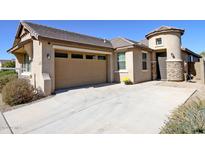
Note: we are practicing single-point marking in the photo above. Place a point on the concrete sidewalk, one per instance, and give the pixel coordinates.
(4, 129)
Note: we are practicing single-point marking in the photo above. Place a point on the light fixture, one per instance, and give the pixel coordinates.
(172, 55)
(48, 56)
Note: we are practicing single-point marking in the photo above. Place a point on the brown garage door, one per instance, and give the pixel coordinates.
(77, 72)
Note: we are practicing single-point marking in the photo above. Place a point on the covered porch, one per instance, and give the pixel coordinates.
(24, 55)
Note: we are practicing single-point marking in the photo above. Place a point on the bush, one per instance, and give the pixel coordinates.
(127, 81)
(187, 119)
(9, 64)
(5, 78)
(7, 72)
(18, 91)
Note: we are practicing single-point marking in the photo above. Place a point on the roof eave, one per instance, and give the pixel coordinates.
(143, 47)
(191, 52)
(11, 50)
(181, 31)
(53, 39)
(32, 32)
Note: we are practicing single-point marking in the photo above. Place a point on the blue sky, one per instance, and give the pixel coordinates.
(194, 37)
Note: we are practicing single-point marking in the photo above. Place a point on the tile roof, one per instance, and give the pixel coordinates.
(191, 52)
(164, 29)
(120, 42)
(37, 30)
(47, 32)
(123, 42)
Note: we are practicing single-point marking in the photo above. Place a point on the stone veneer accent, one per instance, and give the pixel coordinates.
(175, 71)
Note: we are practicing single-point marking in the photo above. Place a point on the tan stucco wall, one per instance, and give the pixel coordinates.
(133, 66)
(36, 65)
(184, 57)
(18, 61)
(48, 65)
(139, 74)
(128, 72)
(195, 69)
(170, 42)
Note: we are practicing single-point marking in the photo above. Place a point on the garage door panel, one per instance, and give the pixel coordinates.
(77, 72)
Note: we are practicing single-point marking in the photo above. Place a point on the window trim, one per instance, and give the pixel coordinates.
(121, 61)
(26, 65)
(145, 60)
(156, 41)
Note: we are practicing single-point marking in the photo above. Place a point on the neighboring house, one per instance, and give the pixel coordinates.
(54, 59)
(2, 61)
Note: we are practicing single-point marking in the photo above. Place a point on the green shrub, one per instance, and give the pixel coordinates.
(9, 64)
(186, 119)
(7, 77)
(18, 91)
(127, 81)
(7, 72)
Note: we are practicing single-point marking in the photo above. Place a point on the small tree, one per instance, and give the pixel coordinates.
(9, 64)
(202, 53)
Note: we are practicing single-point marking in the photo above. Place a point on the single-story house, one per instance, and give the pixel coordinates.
(54, 59)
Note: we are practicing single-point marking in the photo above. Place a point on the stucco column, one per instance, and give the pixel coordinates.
(154, 65)
(110, 68)
(175, 71)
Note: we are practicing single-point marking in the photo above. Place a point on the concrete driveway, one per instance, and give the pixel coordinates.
(140, 108)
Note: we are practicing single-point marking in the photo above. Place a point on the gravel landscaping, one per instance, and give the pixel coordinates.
(198, 95)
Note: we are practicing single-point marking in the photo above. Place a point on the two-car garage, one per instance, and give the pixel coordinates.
(74, 69)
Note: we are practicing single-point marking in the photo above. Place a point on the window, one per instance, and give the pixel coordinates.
(144, 61)
(158, 41)
(26, 66)
(89, 57)
(101, 58)
(77, 56)
(61, 55)
(121, 61)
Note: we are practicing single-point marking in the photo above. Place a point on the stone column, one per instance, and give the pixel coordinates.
(175, 70)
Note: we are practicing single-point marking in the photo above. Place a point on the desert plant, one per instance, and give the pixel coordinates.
(9, 64)
(5, 78)
(186, 119)
(18, 91)
(127, 81)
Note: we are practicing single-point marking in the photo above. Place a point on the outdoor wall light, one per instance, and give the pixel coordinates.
(48, 56)
(172, 55)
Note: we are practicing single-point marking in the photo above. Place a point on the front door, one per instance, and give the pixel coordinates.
(161, 66)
